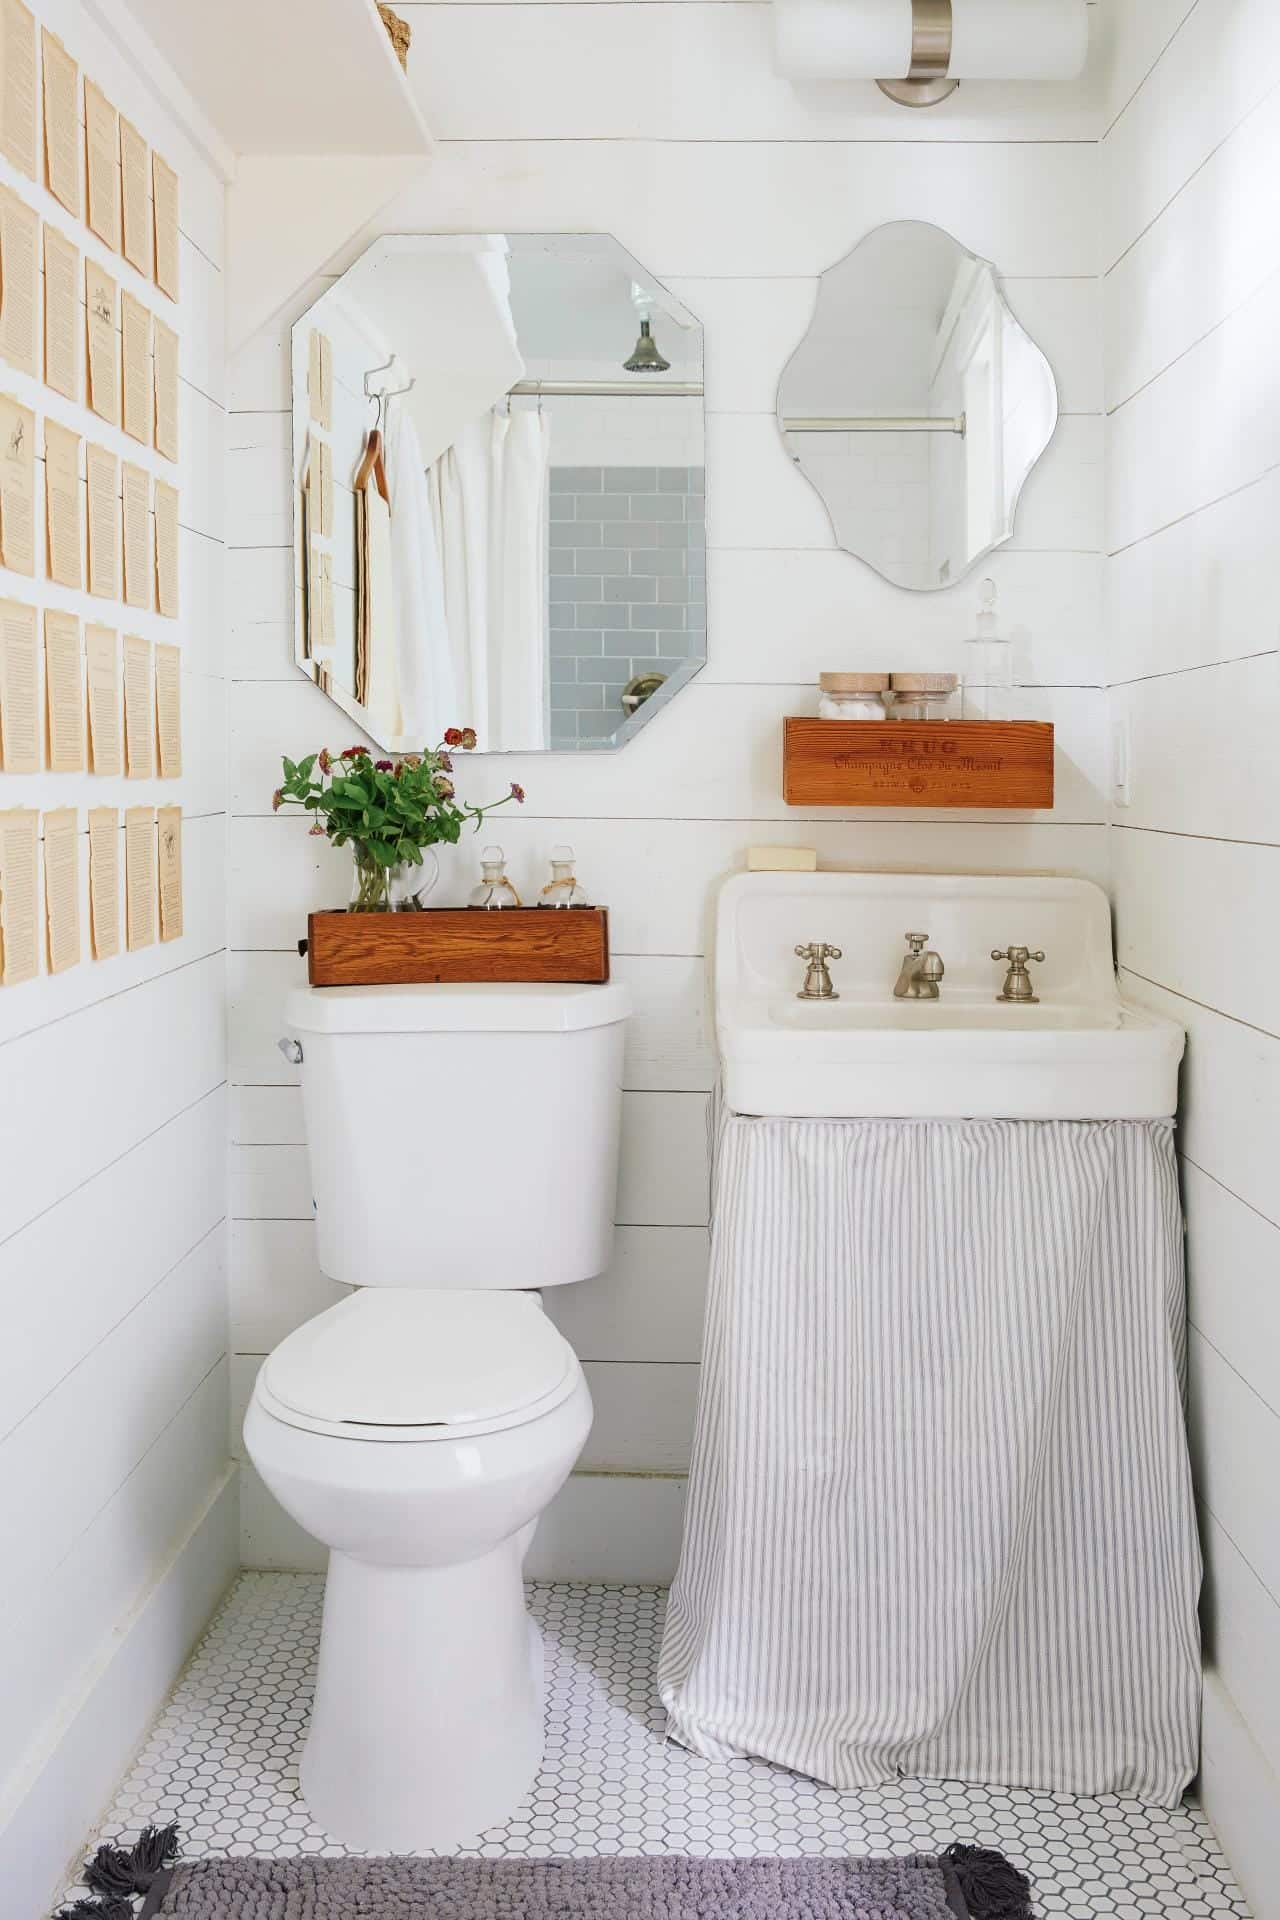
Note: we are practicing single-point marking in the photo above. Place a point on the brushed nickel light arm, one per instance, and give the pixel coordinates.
(926, 82)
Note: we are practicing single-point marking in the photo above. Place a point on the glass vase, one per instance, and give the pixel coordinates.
(402, 888)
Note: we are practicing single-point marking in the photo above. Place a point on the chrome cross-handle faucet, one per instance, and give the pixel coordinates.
(1017, 982)
(817, 979)
(920, 972)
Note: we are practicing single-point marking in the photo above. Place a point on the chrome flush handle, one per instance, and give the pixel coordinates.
(292, 1051)
(1017, 987)
(817, 979)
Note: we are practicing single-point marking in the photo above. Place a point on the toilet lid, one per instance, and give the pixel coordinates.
(388, 1357)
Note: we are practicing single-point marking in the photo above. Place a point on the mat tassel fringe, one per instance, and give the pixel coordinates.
(117, 1877)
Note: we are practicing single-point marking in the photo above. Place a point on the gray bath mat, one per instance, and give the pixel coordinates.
(964, 1883)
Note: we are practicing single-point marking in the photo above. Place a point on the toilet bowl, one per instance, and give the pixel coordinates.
(419, 1428)
(419, 1436)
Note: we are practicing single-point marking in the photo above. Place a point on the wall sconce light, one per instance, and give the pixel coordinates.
(918, 51)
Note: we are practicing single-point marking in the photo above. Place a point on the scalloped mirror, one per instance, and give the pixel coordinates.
(917, 405)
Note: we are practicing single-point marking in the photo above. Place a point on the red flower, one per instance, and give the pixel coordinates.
(317, 829)
(325, 759)
(444, 763)
(517, 793)
(453, 736)
(444, 787)
(277, 800)
(384, 766)
(356, 753)
(468, 738)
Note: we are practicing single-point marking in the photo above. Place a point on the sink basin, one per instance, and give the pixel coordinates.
(1081, 1053)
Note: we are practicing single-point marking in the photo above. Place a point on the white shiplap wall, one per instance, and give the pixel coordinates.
(1192, 314)
(665, 125)
(116, 1498)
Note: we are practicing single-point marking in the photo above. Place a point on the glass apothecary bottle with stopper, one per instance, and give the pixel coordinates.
(562, 890)
(988, 664)
(494, 890)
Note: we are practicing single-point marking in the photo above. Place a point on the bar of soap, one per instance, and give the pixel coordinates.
(782, 860)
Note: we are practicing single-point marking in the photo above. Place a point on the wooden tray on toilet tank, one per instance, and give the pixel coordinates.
(909, 763)
(515, 946)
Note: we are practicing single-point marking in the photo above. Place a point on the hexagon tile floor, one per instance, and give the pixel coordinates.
(222, 1761)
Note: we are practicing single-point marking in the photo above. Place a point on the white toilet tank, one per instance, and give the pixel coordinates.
(462, 1136)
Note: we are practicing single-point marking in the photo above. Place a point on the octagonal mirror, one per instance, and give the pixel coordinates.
(498, 492)
(917, 405)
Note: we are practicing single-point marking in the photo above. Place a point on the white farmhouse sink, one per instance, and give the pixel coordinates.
(1082, 1053)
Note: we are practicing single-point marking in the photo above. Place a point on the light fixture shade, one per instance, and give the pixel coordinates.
(874, 39)
(646, 358)
(1018, 39)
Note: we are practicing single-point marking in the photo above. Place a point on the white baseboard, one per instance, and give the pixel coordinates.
(617, 1528)
(65, 1786)
(1240, 1793)
(621, 1529)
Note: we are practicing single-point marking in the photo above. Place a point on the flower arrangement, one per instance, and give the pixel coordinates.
(392, 813)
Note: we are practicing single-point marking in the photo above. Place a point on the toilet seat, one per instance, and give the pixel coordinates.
(419, 1365)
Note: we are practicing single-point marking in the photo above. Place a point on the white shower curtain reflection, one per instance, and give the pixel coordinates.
(488, 507)
(428, 694)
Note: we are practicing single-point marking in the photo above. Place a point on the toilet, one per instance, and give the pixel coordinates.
(463, 1143)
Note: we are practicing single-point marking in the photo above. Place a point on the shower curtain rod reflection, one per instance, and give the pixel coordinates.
(874, 423)
(642, 388)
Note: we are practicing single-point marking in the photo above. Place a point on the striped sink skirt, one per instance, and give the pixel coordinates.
(940, 1514)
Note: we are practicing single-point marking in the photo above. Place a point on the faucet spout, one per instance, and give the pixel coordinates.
(921, 971)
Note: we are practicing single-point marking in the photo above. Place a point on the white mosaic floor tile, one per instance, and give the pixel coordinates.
(222, 1761)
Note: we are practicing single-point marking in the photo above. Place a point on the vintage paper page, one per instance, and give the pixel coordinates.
(170, 841)
(18, 86)
(19, 688)
(139, 709)
(63, 543)
(104, 882)
(17, 486)
(139, 877)
(136, 507)
(135, 353)
(62, 888)
(325, 465)
(19, 892)
(165, 362)
(102, 677)
(327, 632)
(102, 158)
(135, 194)
(63, 692)
(320, 379)
(166, 499)
(164, 192)
(62, 324)
(169, 709)
(101, 304)
(104, 522)
(61, 122)
(315, 354)
(19, 270)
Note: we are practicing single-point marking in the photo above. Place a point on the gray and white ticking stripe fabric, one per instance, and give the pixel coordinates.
(940, 1512)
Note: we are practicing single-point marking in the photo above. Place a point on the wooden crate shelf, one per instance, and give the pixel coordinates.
(515, 945)
(909, 763)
